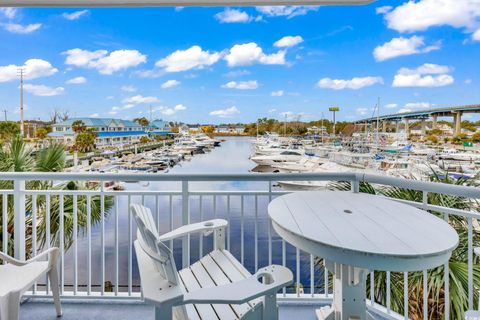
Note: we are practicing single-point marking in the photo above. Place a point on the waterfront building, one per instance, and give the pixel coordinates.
(110, 132)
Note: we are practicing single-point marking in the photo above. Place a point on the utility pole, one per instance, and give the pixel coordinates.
(21, 72)
(285, 125)
(5, 114)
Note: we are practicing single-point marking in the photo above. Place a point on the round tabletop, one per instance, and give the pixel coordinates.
(363, 230)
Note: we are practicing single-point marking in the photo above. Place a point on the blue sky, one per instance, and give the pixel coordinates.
(214, 65)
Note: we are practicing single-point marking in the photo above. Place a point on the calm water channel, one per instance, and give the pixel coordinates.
(231, 157)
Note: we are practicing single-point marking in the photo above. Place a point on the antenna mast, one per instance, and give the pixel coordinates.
(21, 73)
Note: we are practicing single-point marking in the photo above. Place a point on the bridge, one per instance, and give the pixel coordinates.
(456, 112)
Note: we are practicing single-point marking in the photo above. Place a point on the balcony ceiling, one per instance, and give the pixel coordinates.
(160, 3)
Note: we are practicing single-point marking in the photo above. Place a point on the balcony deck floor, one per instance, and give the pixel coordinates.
(101, 310)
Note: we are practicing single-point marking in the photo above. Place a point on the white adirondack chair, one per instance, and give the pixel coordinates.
(474, 314)
(215, 287)
(17, 276)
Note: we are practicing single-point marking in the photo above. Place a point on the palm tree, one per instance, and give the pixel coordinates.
(458, 264)
(17, 157)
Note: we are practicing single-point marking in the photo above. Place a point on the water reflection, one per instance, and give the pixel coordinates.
(231, 157)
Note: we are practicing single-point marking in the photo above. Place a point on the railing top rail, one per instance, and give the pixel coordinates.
(464, 191)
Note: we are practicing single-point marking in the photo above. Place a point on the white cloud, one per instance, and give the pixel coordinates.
(468, 81)
(77, 80)
(42, 90)
(139, 99)
(354, 83)
(288, 41)
(74, 15)
(476, 35)
(402, 47)
(192, 58)
(104, 62)
(427, 75)
(233, 16)
(420, 15)
(34, 68)
(409, 107)
(94, 115)
(9, 13)
(391, 105)
(241, 85)
(225, 113)
(22, 29)
(114, 111)
(129, 88)
(250, 53)
(237, 73)
(278, 93)
(170, 111)
(170, 84)
(362, 111)
(288, 11)
(272, 110)
(383, 10)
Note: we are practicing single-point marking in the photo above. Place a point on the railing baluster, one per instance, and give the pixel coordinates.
(284, 262)
(325, 279)
(34, 233)
(19, 219)
(75, 244)
(185, 221)
(102, 238)
(255, 241)
(405, 295)
(425, 295)
(89, 245)
(312, 276)
(116, 213)
(372, 288)
(389, 304)
(130, 250)
(297, 271)
(470, 263)
(242, 249)
(269, 228)
(446, 276)
(228, 219)
(48, 235)
(61, 201)
(171, 218)
(200, 244)
(5, 223)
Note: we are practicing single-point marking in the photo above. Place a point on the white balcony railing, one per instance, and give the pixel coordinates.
(103, 252)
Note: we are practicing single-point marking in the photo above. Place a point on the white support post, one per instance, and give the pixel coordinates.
(19, 219)
(185, 221)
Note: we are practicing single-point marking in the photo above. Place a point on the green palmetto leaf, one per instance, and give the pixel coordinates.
(458, 264)
(17, 157)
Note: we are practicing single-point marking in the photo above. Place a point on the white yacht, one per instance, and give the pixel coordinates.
(284, 156)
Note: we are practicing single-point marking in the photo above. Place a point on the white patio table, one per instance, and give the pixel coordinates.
(356, 233)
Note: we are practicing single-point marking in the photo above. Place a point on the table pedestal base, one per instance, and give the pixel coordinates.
(349, 294)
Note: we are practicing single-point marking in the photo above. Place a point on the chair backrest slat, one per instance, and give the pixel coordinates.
(149, 239)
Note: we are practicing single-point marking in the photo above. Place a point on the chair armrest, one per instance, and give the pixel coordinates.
(12, 260)
(476, 251)
(275, 277)
(206, 227)
(52, 254)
